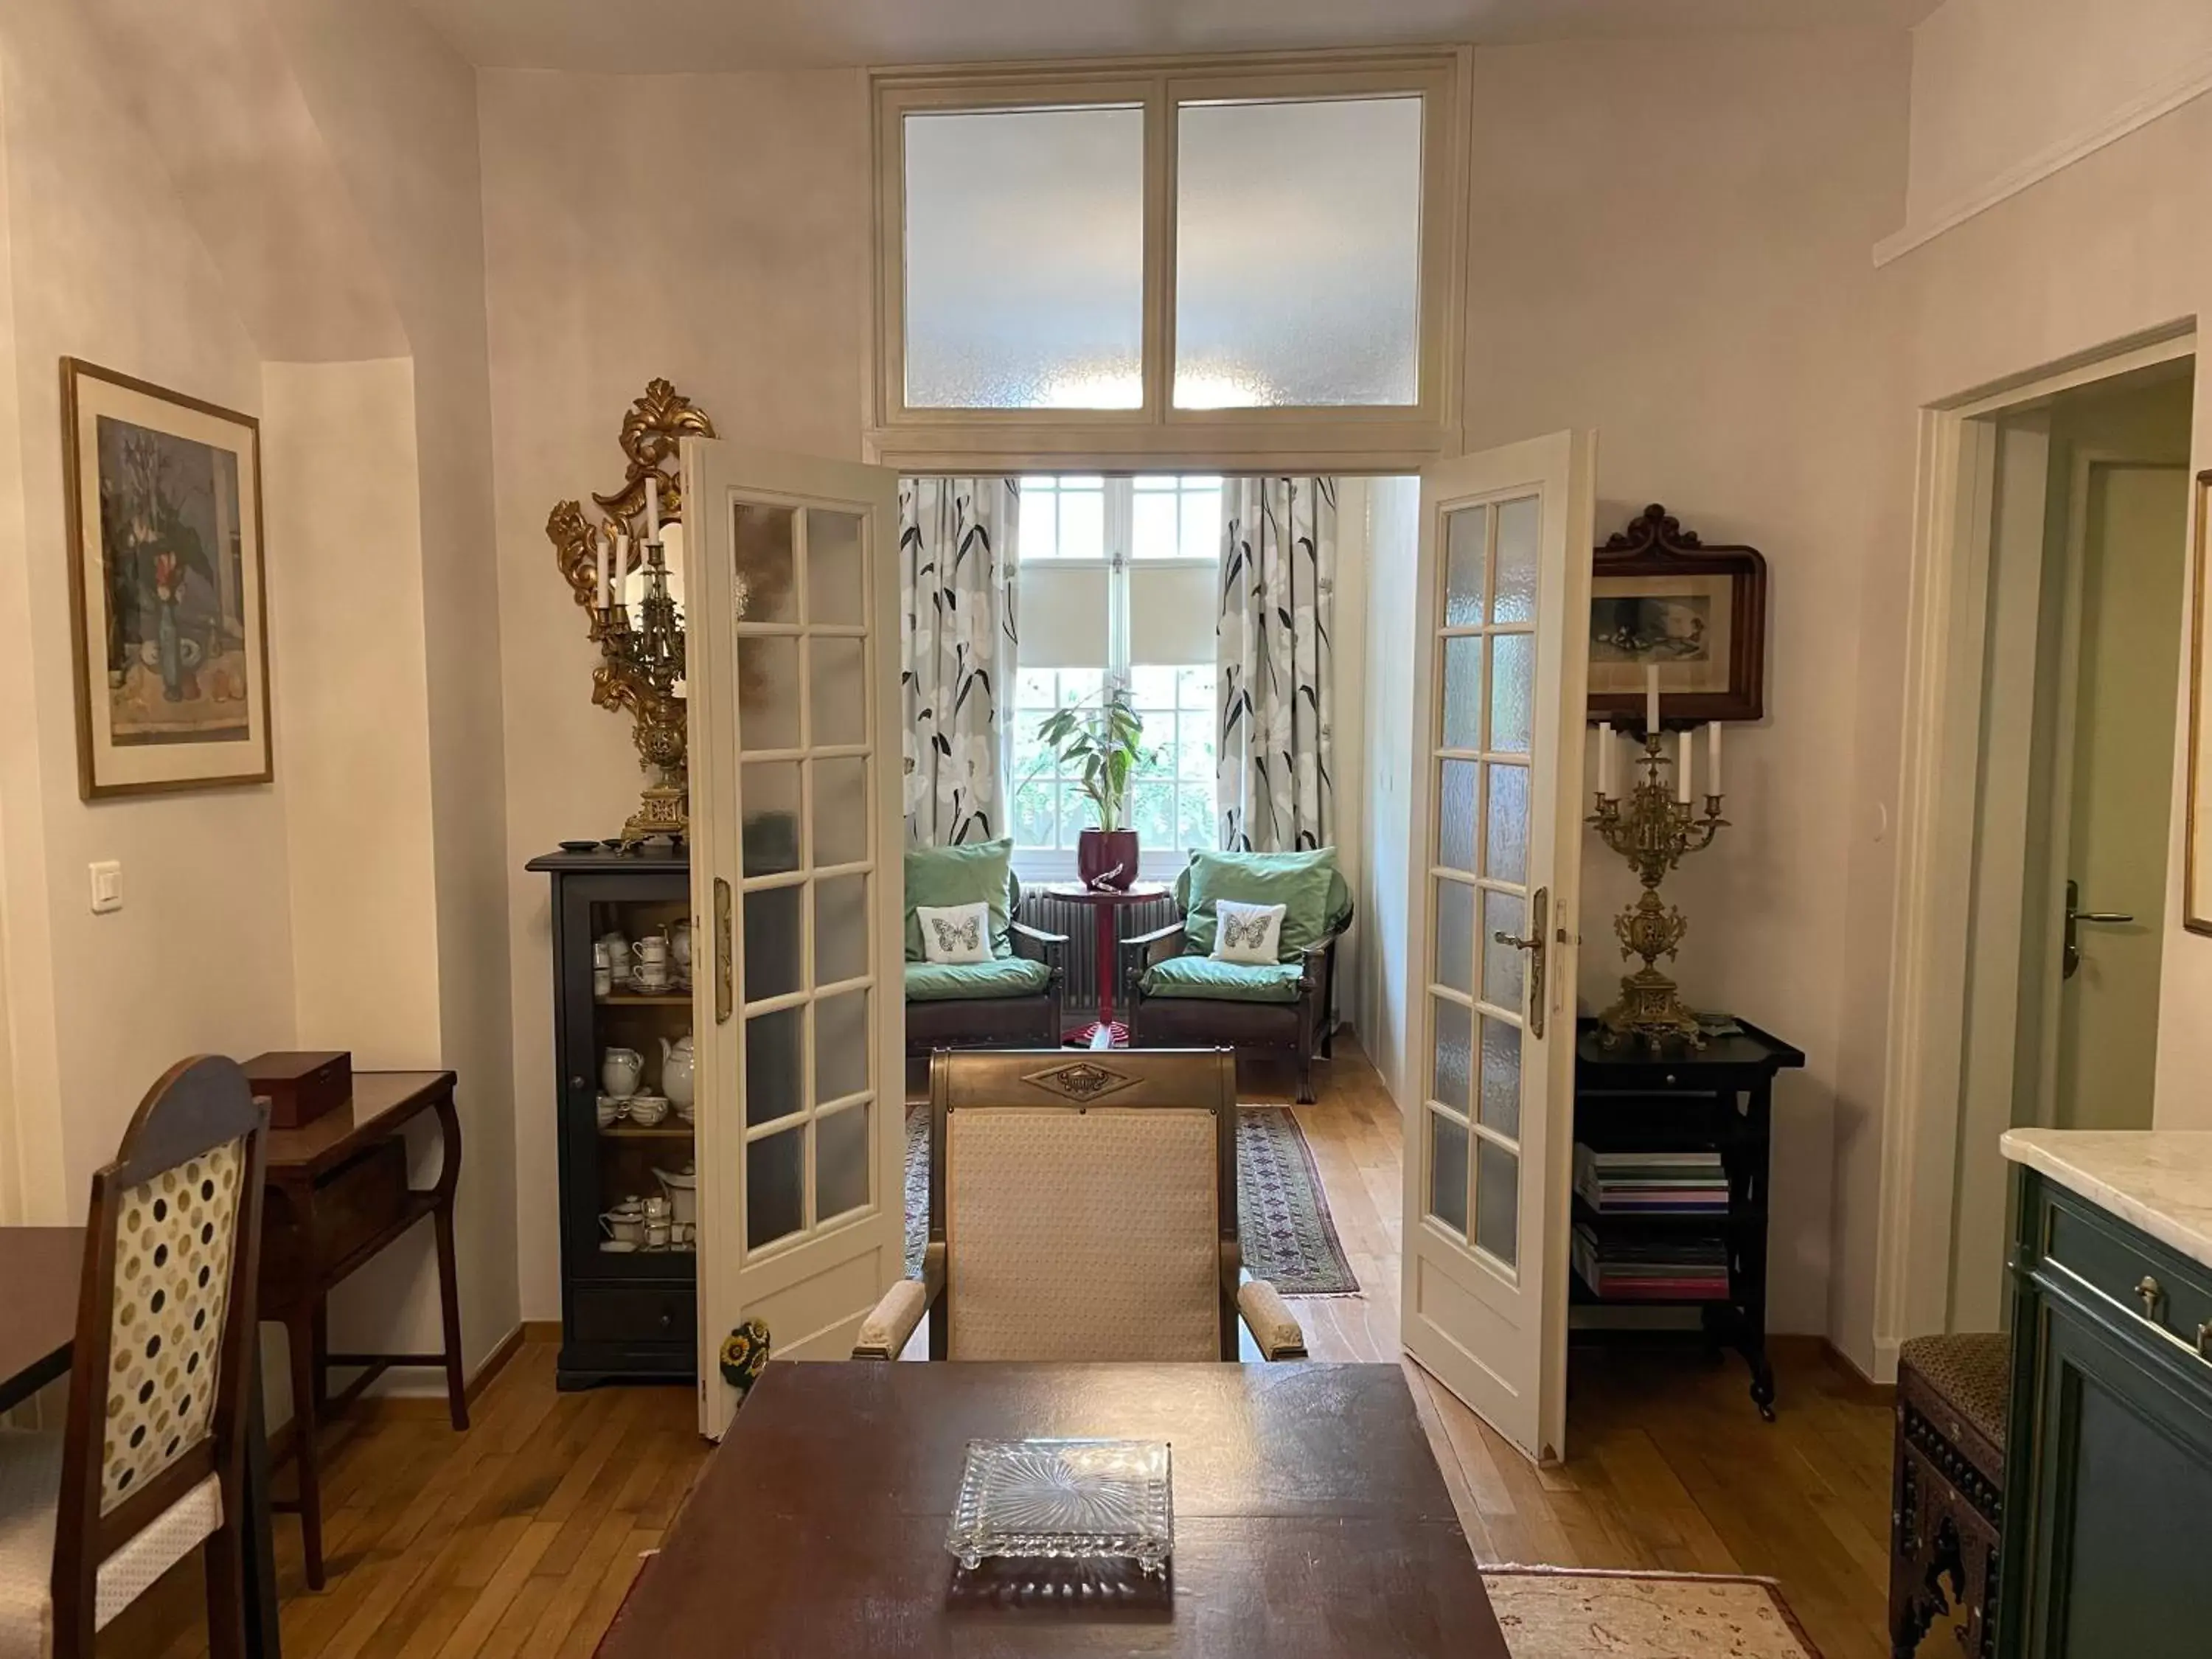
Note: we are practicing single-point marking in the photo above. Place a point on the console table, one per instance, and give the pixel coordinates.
(1630, 1096)
(337, 1193)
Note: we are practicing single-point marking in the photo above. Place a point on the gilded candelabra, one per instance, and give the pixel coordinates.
(1654, 831)
(640, 638)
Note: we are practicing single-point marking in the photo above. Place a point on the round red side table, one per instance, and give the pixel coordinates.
(1106, 904)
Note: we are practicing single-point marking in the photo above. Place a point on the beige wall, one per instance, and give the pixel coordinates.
(1697, 289)
(710, 228)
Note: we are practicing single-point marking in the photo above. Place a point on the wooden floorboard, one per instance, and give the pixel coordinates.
(519, 1538)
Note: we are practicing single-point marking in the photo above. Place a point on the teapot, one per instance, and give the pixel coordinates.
(679, 948)
(676, 1071)
(621, 1070)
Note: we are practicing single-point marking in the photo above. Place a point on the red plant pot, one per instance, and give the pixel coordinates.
(1106, 858)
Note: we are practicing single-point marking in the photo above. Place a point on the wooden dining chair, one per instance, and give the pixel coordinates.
(1083, 1208)
(151, 1460)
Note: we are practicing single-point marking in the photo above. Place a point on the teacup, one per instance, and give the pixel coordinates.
(656, 1235)
(652, 976)
(603, 983)
(645, 1110)
(656, 1209)
(607, 1110)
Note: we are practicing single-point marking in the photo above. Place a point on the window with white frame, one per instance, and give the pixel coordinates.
(1118, 577)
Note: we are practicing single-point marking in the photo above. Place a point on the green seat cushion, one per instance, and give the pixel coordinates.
(965, 982)
(978, 873)
(1308, 887)
(1223, 981)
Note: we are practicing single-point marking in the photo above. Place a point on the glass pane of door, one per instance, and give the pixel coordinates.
(1478, 981)
(804, 660)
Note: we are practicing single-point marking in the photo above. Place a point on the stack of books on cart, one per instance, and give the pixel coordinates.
(1630, 1266)
(1651, 1183)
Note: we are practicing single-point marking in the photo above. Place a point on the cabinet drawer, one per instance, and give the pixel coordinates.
(634, 1313)
(2157, 1286)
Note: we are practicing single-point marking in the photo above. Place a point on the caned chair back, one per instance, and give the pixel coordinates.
(1085, 1207)
(164, 1324)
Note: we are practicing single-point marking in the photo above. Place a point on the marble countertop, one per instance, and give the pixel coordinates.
(2159, 1179)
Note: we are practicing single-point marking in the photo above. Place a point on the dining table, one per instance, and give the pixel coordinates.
(43, 1270)
(1310, 1519)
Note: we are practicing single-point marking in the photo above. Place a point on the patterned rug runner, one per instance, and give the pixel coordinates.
(1560, 1612)
(1281, 1211)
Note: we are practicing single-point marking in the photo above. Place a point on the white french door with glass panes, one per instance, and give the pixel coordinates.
(1119, 589)
(796, 875)
(1502, 655)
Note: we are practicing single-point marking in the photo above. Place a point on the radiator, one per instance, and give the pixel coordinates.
(1041, 910)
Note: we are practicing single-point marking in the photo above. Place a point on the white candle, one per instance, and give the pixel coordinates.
(1713, 759)
(1605, 757)
(1650, 699)
(653, 507)
(601, 551)
(1682, 765)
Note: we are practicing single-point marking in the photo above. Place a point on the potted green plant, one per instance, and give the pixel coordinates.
(1102, 742)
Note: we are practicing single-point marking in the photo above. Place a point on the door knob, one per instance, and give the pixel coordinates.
(2076, 916)
(1539, 909)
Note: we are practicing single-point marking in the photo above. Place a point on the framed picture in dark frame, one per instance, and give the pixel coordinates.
(1659, 596)
(166, 597)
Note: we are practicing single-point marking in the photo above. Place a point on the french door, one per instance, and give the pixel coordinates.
(796, 879)
(1502, 653)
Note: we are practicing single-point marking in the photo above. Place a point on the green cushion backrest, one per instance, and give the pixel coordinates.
(1308, 886)
(978, 873)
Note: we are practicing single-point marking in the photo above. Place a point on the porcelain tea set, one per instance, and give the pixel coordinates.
(667, 1221)
(622, 1071)
(657, 963)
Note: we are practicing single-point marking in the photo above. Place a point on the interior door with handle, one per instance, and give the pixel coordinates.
(796, 838)
(1502, 644)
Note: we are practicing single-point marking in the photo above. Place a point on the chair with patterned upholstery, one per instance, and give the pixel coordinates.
(1083, 1208)
(1948, 1489)
(151, 1459)
(1011, 1001)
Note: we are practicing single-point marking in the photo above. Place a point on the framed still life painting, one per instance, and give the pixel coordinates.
(166, 593)
(1661, 597)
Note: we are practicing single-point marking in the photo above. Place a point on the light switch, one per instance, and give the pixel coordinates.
(106, 887)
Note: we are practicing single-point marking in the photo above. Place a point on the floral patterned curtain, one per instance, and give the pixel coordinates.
(957, 561)
(1274, 775)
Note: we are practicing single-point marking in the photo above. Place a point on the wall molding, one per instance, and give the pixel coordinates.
(2190, 81)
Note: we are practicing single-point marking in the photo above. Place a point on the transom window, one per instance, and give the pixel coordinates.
(1171, 258)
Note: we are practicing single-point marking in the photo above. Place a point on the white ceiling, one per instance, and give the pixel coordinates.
(664, 35)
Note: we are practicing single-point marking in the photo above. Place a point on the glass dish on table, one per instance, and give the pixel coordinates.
(1065, 1500)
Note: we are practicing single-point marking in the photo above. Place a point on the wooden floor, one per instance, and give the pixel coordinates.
(520, 1537)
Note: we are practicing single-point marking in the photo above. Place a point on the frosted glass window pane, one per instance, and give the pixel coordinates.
(768, 798)
(771, 918)
(1463, 691)
(1466, 533)
(1298, 253)
(1512, 690)
(1451, 1069)
(841, 810)
(771, 1058)
(1506, 840)
(1498, 1202)
(765, 593)
(1455, 935)
(1500, 1105)
(835, 591)
(840, 1161)
(841, 1046)
(1448, 1172)
(841, 929)
(1515, 596)
(1456, 814)
(1503, 966)
(776, 1186)
(838, 665)
(768, 692)
(1026, 259)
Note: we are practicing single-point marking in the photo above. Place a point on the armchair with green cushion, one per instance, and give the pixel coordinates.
(1012, 1001)
(1180, 995)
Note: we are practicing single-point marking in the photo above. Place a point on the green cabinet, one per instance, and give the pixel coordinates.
(2108, 1480)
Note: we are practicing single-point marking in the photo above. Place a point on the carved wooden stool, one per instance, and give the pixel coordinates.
(1948, 1499)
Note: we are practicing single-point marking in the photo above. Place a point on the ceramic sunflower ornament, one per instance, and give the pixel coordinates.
(745, 1352)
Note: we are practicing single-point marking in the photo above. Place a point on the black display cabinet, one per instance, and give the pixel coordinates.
(628, 1315)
